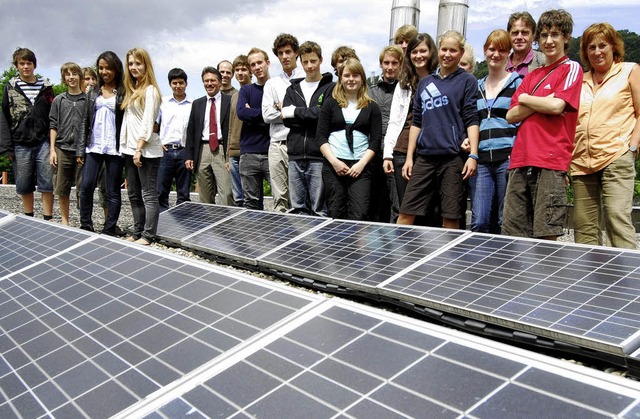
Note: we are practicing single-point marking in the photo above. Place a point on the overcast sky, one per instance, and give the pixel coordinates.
(195, 33)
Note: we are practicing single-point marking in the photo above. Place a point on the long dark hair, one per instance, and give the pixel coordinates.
(409, 77)
(115, 64)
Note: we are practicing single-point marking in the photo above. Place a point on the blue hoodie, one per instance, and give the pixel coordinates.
(444, 108)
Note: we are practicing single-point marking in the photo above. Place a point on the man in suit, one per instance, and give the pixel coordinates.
(207, 135)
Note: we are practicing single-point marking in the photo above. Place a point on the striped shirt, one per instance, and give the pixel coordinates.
(31, 90)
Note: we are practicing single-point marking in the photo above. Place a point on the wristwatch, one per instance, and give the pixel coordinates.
(633, 148)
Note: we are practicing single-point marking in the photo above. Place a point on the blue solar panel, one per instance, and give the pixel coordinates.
(358, 255)
(25, 240)
(190, 217)
(349, 361)
(250, 234)
(582, 295)
(105, 325)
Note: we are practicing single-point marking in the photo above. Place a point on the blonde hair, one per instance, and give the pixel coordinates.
(354, 66)
(135, 89)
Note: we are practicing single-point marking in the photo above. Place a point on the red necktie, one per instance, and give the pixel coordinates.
(213, 127)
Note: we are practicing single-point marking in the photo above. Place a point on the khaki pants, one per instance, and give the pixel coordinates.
(213, 177)
(609, 191)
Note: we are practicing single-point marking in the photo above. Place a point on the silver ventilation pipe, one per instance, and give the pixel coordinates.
(403, 12)
(452, 15)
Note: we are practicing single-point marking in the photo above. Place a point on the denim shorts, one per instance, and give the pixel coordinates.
(31, 167)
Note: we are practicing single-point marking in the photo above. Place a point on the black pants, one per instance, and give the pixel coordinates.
(347, 197)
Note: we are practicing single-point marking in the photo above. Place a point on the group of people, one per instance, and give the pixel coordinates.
(404, 150)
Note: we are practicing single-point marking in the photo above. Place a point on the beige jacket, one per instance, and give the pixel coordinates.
(605, 120)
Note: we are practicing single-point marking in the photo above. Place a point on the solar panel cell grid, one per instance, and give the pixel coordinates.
(346, 362)
(25, 241)
(358, 255)
(78, 342)
(190, 217)
(251, 234)
(588, 294)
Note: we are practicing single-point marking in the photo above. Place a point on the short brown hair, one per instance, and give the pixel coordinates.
(73, 68)
(240, 60)
(308, 47)
(283, 40)
(24, 54)
(525, 17)
(343, 52)
(609, 34)
(561, 19)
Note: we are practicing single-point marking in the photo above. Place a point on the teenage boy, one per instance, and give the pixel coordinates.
(24, 132)
(254, 136)
(65, 144)
(207, 134)
(226, 71)
(384, 206)
(243, 75)
(301, 108)
(546, 105)
(174, 119)
(404, 34)
(340, 55)
(285, 47)
(523, 59)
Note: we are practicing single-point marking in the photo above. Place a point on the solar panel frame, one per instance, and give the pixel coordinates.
(516, 282)
(248, 235)
(340, 252)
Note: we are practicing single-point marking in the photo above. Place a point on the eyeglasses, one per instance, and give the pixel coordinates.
(553, 35)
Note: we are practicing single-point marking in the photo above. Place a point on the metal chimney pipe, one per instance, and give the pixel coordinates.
(452, 14)
(403, 12)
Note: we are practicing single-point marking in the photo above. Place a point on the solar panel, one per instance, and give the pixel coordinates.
(588, 296)
(352, 361)
(3, 214)
(106, 324)
(251, 234)
(358, 255)
(190, 217)
(25, 240)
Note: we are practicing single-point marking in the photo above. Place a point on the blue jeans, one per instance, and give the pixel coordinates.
(254, 169)
(31, 166)
(113, 180)
(172, 165)
(236, 183)
(143, 196)
(306, 188)
(488, 188)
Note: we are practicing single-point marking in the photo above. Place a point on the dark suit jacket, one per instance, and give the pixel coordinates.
(196, 125)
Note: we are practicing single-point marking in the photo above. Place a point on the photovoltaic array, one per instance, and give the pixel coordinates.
(349, 361)
(98, 327)
(588, 296)
(250, 234)
(358, 255)
(579, 295)
(190, 217)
